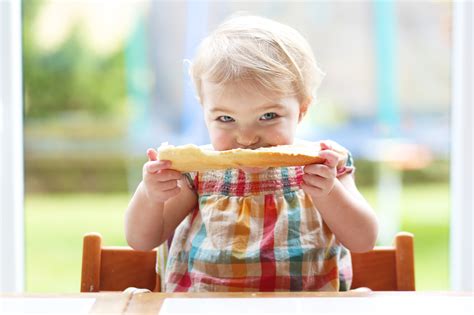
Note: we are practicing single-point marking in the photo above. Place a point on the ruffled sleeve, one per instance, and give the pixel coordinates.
(347, 167)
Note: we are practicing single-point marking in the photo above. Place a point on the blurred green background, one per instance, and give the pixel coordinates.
(83, 156)
(56, 223)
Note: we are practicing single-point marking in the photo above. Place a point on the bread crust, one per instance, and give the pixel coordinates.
(187, 158)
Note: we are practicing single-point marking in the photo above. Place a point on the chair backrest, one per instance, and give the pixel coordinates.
(116, 268)
(389, 268)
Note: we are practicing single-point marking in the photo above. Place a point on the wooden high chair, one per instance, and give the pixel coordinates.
(115, 268)
(106, 268)
(386, 268)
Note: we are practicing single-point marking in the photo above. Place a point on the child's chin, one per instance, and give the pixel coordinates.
(254, 170)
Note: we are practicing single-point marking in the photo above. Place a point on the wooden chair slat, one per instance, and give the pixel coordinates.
(388, 268)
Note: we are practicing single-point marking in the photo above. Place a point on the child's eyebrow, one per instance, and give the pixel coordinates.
(222, 110)
(272, 106)
(263, 107)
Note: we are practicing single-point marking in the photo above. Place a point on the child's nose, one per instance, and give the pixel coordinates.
(246, 138)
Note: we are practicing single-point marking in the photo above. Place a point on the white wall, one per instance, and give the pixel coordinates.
(462, 158)
(11, 149)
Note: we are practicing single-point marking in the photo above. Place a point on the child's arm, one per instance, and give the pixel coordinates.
(341, 205)
(160, 203)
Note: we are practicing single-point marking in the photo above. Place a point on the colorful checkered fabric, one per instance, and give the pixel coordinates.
(255, 232)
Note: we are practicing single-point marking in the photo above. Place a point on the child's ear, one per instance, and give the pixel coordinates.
(304, 106)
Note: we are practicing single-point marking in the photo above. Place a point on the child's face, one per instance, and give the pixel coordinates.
(239, 117)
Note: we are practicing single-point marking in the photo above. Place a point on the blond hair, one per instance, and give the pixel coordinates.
(270, 56)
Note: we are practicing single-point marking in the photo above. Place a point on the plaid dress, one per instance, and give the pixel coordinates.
(255, 232)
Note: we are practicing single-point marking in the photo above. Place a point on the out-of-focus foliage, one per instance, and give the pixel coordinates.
(70, 78)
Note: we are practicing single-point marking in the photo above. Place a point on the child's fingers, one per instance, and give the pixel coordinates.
(154, 166)
(152, 155)
(325, 145)
(166, 175)
(312, 190)
(331, 158)
(312, 180)
(171, 193)
(319, 170)
(166, 185)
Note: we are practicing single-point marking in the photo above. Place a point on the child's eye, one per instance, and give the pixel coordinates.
(225, 118)
(269, 116)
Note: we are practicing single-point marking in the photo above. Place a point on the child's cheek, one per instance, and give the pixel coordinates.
(221, 140)
(280, 136)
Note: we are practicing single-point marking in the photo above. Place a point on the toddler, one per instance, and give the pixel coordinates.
(273, 229)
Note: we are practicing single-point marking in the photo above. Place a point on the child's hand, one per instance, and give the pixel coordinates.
(160, 182)
(319, 179)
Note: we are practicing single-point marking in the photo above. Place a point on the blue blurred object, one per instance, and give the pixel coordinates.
(193, 129)
(137, 87)
(385, 39)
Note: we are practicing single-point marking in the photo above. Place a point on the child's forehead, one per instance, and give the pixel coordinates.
(234, 99)
(238, 90)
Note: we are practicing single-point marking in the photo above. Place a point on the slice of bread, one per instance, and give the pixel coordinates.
(190, 157)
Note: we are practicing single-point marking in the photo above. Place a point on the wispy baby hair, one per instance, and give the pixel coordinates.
(271, 56)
